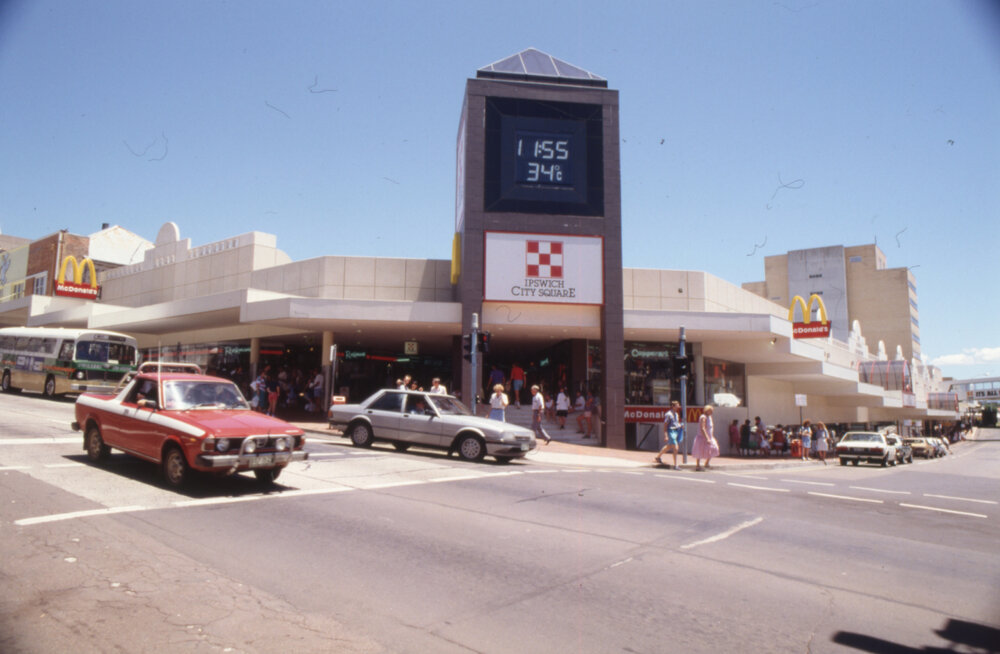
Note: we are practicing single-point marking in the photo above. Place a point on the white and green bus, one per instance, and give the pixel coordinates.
(56, 361)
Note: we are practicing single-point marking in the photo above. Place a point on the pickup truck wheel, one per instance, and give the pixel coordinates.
(471, 448)
(361, 435)
(885, 460)
(267, 477)
(49, 390)
(854, 462)
(843, 462)
(97, 451)
(175, 467)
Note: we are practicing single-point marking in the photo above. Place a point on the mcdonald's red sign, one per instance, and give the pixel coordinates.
(807, 328)
(77, 288)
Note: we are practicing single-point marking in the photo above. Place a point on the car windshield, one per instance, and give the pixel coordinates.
(449, 406)
(210, 394)
(862, 437)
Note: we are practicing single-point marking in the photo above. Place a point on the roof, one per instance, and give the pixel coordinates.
(534, 65)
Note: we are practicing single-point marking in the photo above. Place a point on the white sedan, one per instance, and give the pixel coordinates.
(870, 446)
(406, 418)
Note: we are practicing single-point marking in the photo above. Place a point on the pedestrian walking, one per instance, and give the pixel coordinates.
(516, 383)
(498, 404)
(705, 445)
(673, 434)
(537, 411)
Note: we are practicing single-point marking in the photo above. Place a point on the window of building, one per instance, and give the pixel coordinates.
(913, 303)
(41, 284)
(914, 321)
(17, 291)
(855, 259)
(649, 378)
(725, 383)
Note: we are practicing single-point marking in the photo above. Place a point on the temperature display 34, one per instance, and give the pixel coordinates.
(544, 158)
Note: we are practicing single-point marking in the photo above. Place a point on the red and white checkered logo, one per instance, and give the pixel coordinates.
(544, 259)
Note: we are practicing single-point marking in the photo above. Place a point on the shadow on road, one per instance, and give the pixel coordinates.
(981, 638)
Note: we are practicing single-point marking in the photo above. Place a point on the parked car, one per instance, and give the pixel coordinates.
(904, 453)
(184, 422)
(920, 447)
(940, 448)
(406, 418)
(870, 446)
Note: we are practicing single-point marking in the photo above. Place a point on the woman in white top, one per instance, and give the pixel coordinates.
(498, 403)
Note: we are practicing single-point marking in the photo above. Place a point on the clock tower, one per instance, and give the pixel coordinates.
(538, 223)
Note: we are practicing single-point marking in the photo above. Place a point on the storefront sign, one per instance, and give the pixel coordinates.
(649, 414)
(77, 288)
(807, 328)
(548, 268)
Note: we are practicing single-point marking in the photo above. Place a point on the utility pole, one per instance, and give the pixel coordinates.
(682, 353)
(474, 360)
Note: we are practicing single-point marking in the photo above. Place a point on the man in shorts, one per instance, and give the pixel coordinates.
(673, 434)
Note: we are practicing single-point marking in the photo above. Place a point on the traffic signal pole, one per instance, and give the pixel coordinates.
(684, 411)
(474, 360)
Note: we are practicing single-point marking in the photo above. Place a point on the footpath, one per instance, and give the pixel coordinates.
(571, 449)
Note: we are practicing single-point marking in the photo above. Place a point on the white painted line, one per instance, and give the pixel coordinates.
(629, 472)
(933, 508)
(960, 499)
(685, 477)
(539, 472)
(763, 488)
(65, 465)
(324, 455)
(879, 490)
(724, 535)
(615, 565)
(811, 483)
(848, 497)
(4, 468)
(78, 514)
(62, 440)
(733, 474)
(212, 501)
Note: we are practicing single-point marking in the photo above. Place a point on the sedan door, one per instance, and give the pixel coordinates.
(384, 413)
(419, 423)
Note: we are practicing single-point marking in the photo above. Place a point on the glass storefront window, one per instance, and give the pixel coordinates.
(649, 378)
(725, 383)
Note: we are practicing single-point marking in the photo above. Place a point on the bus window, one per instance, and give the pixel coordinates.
(66, 351)
(121, 353)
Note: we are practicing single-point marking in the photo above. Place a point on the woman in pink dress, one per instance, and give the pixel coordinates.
(705, 446)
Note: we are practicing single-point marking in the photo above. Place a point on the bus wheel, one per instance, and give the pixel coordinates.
(50, 387)
(5, 384)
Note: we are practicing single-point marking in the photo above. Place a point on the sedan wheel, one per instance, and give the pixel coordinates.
(471, 448)
(361, 435)
(97, 451)
(175, 467)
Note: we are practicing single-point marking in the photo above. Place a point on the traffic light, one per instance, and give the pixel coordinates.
(469, 346)
(682, 366)
(484, 342)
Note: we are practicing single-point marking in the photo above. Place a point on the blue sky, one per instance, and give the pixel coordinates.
(748, 129)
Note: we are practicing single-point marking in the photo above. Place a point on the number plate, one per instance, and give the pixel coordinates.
(262, 461)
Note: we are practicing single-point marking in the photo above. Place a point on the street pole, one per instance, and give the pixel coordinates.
(473, 367)
(684, 382)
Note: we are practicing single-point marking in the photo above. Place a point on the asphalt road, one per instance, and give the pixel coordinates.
(373, 550)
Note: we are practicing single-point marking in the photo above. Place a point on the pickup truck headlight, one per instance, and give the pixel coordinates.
(222, 445)
(250, 446)
(281, 444)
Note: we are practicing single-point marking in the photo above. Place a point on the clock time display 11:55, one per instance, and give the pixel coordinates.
(544, 158)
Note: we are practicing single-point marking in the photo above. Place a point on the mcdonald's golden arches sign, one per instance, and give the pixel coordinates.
(76, 287)
(807, 328)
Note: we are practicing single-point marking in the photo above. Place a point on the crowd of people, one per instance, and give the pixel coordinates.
(286, 388)
(807, 440)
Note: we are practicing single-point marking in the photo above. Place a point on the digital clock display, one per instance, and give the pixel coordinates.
(543, 158)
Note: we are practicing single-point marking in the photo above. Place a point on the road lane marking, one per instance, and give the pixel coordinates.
(683, 477)
(811, 483)
(934, 508)
(60, 440)
(848, 497)
(77, 514)
(726, 534)
(65, 465)
(5, 468)
(960, 499)
(879, 490)
(733, 474)
(763, 488)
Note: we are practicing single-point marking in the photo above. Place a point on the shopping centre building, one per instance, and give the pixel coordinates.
(537, 262)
